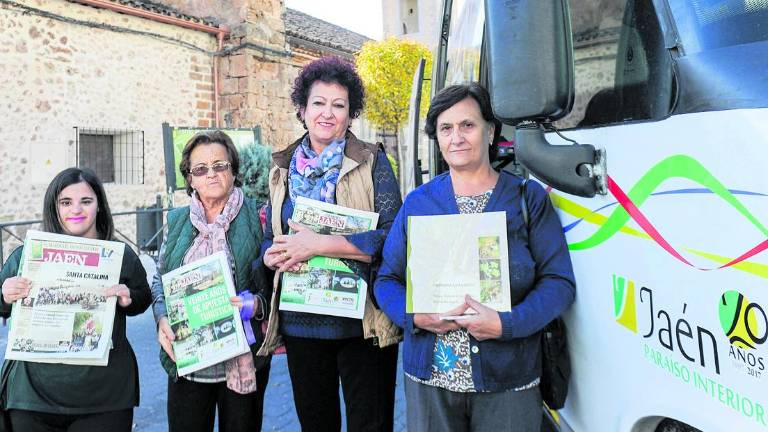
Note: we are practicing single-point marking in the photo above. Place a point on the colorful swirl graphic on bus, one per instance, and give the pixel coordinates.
(628, 205)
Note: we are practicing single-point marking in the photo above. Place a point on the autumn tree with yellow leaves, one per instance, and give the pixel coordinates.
(386, 68)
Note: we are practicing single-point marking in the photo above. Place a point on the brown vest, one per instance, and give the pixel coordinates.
(354, 189)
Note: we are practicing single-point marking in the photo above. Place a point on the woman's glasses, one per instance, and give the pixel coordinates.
(201, 170)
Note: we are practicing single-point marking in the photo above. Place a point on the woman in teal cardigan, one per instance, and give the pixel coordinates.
(218, 218)
(60, 397)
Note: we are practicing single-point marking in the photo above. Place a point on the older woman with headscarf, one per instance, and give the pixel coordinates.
(218, 218)
(330, 164)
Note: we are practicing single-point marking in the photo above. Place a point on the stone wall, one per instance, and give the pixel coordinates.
(256, 90)
(69, 71)
(66, 66)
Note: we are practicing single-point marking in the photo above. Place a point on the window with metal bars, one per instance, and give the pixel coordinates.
(115, 155)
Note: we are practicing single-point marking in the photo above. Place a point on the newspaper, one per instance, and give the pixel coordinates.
(450, 256)
(326, 285)
(67, 317)
(208, 329)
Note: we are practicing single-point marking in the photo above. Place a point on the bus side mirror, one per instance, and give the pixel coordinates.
(576, 169)
(530, 59)
(529, 54)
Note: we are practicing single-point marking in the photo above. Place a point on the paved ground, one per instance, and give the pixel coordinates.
(150, 416)
(279, 413)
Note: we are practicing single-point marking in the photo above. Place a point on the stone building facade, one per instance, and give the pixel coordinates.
(417, 20)
(76, 76)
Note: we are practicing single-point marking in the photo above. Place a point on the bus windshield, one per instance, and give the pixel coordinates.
(705, 25)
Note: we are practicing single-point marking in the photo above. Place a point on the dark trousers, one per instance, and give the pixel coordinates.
(34, 421)
(367, 375)
(192, 406)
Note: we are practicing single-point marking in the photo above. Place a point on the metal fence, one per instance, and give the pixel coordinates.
(149, 229)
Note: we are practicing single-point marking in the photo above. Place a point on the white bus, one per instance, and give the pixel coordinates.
(664, 200)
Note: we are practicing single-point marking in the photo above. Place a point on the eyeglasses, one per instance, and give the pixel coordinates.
(202, 170)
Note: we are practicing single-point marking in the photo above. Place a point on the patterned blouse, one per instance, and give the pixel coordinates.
(451, 362)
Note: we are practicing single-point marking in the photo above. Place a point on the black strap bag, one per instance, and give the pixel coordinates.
(555, 364)
(555, 361)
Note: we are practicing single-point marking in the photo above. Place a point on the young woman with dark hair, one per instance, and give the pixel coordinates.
(72, 176)
(60, 397)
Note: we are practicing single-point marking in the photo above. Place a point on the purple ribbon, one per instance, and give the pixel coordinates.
(246, 313)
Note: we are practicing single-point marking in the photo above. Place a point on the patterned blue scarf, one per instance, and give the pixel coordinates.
(314, 176)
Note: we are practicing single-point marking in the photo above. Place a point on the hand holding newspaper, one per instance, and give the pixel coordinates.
(66, 318)
(207, 328)
(326, 285)
(450, 256)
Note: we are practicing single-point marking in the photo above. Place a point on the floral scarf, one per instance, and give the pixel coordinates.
(211, 238)
(314, 175)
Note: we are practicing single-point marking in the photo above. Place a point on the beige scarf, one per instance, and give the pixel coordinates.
(240, 371)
